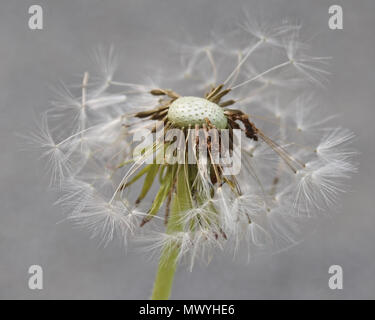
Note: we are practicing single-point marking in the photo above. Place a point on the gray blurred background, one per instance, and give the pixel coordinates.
(75, 267)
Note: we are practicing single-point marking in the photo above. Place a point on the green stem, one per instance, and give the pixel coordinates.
(168, 260)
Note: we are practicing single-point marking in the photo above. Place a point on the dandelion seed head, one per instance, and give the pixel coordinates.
(254, 81)
(191, 111)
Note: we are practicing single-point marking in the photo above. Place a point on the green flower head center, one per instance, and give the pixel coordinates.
(191, 111)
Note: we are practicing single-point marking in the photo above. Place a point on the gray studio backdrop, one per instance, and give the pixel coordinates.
(75, 266)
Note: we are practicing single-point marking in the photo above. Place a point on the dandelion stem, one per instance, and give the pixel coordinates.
(168, 260)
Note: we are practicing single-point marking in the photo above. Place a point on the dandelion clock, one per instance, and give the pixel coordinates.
(227, 151)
